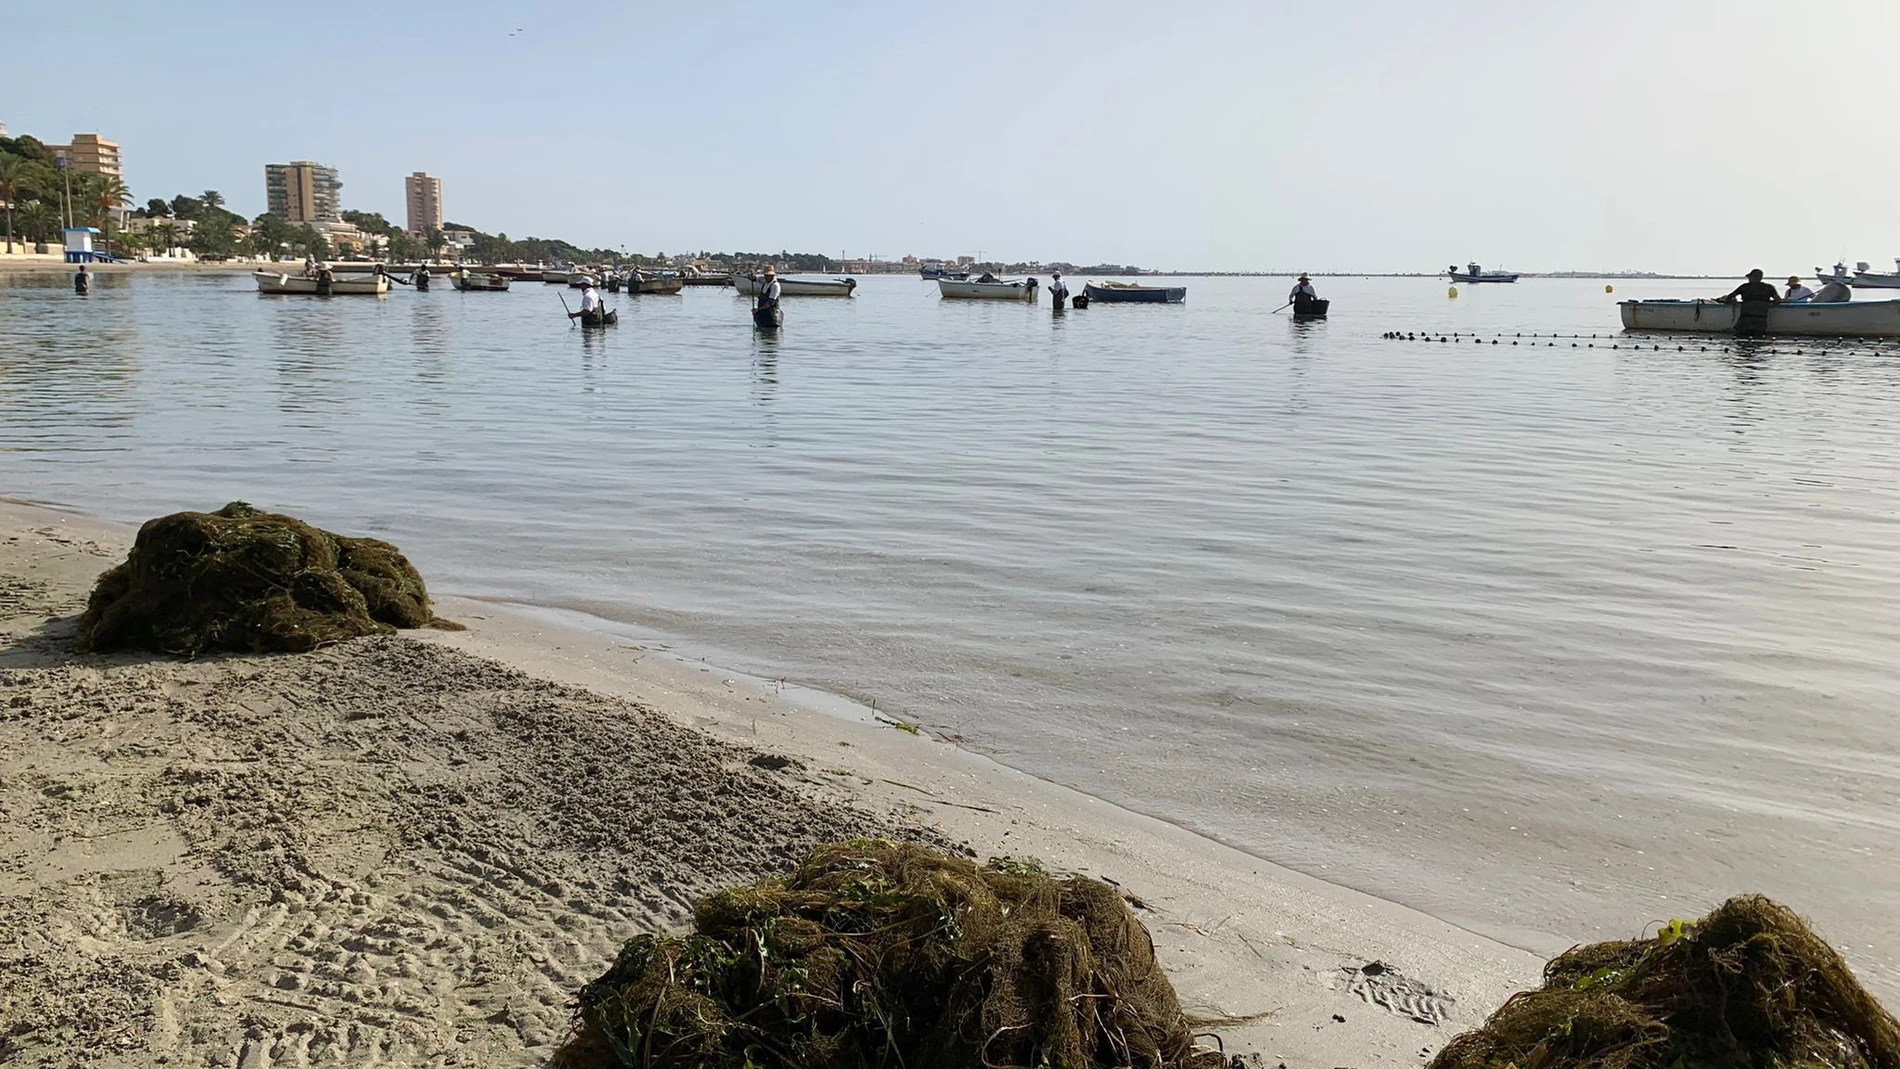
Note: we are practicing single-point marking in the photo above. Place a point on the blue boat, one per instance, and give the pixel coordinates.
(1112, 292)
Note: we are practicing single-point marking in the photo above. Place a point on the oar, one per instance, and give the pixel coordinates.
(1280, 309)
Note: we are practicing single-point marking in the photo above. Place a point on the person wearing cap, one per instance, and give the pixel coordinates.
(1797, 293)
(590, 301)
(1754, 291)
(769, 294)
(1302, 288)
(1058, 289)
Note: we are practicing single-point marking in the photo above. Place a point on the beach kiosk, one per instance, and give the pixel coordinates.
(79, 244)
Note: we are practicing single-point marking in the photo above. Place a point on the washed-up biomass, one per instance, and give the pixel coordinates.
(1749, 986)
(245, 580)
(875, 953)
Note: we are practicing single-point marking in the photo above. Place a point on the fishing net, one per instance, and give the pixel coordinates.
(246, 580)
(1749, 986)
(876, 953)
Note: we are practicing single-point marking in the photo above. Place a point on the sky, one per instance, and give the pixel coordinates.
(1348, 135)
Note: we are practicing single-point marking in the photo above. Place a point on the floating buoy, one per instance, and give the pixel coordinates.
(1609, 289)
(1452, 292)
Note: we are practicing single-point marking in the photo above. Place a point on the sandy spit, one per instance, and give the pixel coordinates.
(414, 850)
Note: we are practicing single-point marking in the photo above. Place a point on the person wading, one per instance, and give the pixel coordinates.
(590, 304)
(1756, 297)
(769, 293)
(82, 281)
(1058, 289)
(1301, 293)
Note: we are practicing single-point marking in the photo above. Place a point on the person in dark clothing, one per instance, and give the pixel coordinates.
(1751, 292)
(1756, 296)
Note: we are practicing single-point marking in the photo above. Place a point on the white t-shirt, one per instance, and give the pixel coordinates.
(590, 300)
(1303, 289)
(771, 290)
(1799, 293)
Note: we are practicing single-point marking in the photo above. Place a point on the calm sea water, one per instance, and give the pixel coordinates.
(1552, 642)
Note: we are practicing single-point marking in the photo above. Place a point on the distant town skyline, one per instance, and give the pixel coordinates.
(1368, 135)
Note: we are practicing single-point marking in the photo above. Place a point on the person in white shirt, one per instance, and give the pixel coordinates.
(590, 302)
(1058, 288)
(1797, 292)
(1302, 288)
(768, 296)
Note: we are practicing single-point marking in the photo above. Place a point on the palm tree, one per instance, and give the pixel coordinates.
(36, 219)
(167, 233)
(14, 177)
(213, 200)
(436, 241)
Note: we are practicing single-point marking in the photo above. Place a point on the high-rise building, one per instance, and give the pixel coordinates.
(425, 202)
(89, 154)
(303, 192)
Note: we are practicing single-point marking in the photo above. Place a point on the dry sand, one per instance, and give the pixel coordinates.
(414, 850)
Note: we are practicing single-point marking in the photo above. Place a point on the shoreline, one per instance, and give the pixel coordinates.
(1238, 935)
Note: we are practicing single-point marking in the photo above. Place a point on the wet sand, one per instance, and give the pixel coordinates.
(416, 849)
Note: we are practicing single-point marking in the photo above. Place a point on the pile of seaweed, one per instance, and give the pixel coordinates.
(246, 580)
(881, 954)
(1750, 985)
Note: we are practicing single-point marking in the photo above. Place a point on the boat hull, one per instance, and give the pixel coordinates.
(798, 287)
(656, 285)
(478, 282)
(987, 291)
(1311, 308)
(1872, 281)
(1843, 319)
(286, 285)
(1135, 294)
(1488, 276)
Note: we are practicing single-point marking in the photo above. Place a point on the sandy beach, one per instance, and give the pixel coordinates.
(415, 849)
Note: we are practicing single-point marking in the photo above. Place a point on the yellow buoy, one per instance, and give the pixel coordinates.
(1609, 289)
(1451, 291)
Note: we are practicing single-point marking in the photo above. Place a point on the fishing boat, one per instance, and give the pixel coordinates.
(939, 269)
(1127, 292)
(1022, 289)
(475, 280)
(768, 318)
(1874, 279)
(1832, 319)
(272, 282)
(663, 284)
(1475, 273)
(798, 287)
(1310, 307)
(600, 319)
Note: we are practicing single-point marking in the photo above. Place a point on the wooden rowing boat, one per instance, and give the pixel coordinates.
(276, 284)
(1132, 293)
(475, 280)
(798, 287)
(1022, 289)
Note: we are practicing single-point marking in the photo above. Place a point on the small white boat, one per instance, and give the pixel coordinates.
(798, 287)
(551, 275)
(273, 282)
(1874, 279)
(1833, 319)
(475, 280)
(1024, 289)
(1475, 273)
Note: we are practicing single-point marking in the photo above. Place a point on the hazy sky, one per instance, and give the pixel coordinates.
(1371, 135)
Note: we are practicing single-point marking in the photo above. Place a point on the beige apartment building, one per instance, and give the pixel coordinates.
(425, 202)
(302, 191)
(90, 154)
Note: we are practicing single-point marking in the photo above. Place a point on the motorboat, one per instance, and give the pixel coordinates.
(1476, 273)
(551, 275)
(1024, 289)
(1875, 279)
(1134, 293)
(939, 269)
(476, 280)
(276, 283)
(1832, 319)
(750, 285)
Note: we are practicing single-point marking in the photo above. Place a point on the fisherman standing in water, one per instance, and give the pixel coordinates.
(1302, 289)
(590, 302)
(769, 293)
(1756, 297)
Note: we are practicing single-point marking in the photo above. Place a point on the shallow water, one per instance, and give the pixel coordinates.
(1551, 642)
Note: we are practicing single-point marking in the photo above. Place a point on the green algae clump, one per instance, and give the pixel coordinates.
(244, 580)
(883, 954)
(1750, 986)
